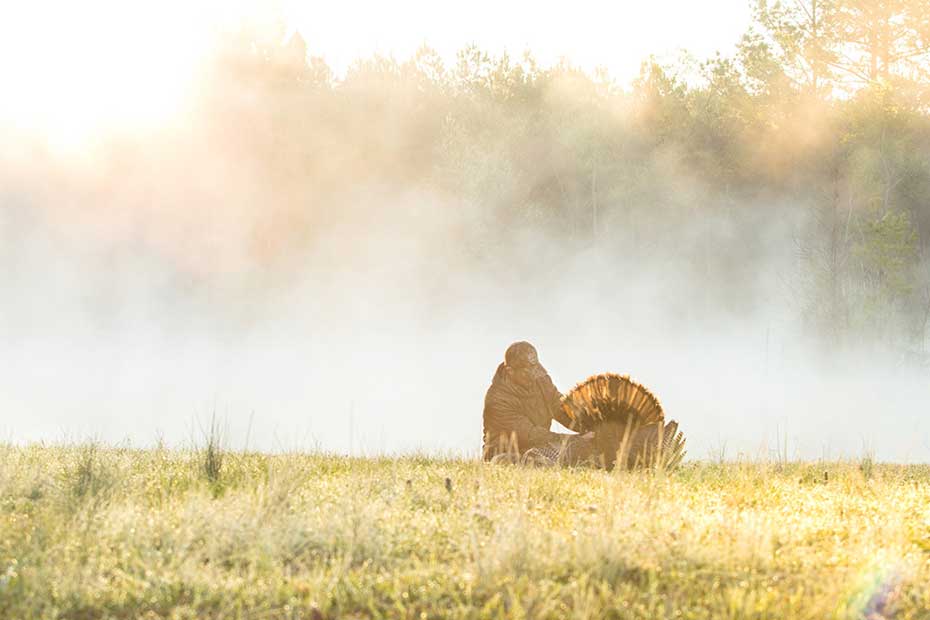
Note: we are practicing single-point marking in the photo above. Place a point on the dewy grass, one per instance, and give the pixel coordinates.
(314, 536)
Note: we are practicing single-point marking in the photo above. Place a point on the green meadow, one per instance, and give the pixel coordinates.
(100, 532)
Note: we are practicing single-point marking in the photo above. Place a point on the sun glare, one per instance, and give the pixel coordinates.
(79, 72)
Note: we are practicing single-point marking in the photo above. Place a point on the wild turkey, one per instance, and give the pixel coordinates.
(627, 421)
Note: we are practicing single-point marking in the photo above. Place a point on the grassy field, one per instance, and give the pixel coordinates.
(92, 532)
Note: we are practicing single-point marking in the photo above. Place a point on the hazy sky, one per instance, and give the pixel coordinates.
(617, 35)
(130, 66)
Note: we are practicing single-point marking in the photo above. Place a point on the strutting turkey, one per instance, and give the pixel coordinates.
(628, 422)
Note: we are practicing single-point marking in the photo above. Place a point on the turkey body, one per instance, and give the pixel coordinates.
(518, 413)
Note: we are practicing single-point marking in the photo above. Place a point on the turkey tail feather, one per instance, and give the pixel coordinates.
(627, 420)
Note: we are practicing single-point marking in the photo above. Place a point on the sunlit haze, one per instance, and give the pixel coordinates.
(294, 219)
(613, 35)
(77, 71)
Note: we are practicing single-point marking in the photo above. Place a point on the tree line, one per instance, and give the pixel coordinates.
(811, 140)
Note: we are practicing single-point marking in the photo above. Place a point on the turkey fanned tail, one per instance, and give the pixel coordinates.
(628, 423)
